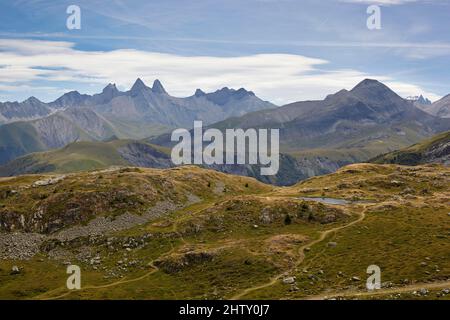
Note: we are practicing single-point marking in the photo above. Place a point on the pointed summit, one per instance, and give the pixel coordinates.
(138, 86)
(110, 88)
(242, 92)
(368, 83)
(423, 100)
(32, 99)
(158, 87)
(199, 93)
(374, 90)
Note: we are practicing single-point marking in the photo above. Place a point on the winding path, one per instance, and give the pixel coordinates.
(322, 237)
(409, 288)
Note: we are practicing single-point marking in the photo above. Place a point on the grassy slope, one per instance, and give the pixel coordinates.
(18, 138)
(413, 155)
(135, 129)
(75, 157)
(21, 138)
(405, 224)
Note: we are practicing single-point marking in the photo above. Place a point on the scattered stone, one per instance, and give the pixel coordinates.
(19, 246)
(266, 216)
(15, 270)
(294, 288)
(423, 292)
(396, 183)
(48, 182)
(356, 279)
(289, 280)
(332, 244)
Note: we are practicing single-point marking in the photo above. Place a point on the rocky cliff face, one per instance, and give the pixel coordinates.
(155, 105)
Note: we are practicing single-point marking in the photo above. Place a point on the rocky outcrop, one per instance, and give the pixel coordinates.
(177, 262)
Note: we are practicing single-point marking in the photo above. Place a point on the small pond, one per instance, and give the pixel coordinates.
(327, 200)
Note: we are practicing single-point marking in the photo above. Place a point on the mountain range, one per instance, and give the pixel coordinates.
(440, 108)
(369, 116)
(419, 100)
(318, 137)
(141, 112)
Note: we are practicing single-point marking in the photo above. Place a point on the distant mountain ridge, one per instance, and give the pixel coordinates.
(318, 137)
(143, 103)
(440, 108)
(419, 101)
(368, 113)
(29, 109)
(135, 114)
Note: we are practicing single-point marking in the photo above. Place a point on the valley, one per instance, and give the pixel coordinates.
(316, 137)
(92, 186)
(224, 159)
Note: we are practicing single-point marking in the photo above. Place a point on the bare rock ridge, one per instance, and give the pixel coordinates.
(135, 114)
(440, 108)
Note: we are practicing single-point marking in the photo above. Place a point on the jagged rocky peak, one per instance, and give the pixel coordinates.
(199, 93)
(138, 86)
(158, 87)
(110, 88)
(225, 95)
(109, 92)
(33, 100)
(421, 100)
(243, 92)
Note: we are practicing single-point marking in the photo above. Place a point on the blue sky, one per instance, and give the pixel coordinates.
(283, 50)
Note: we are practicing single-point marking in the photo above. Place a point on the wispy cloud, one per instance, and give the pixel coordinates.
(280, 78)
(381, 2)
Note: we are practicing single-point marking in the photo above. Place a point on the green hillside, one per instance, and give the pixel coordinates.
(191, 233)
(17, 139)
(77, 156)
(435, 149)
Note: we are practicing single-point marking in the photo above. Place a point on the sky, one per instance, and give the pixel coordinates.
(283, 50)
